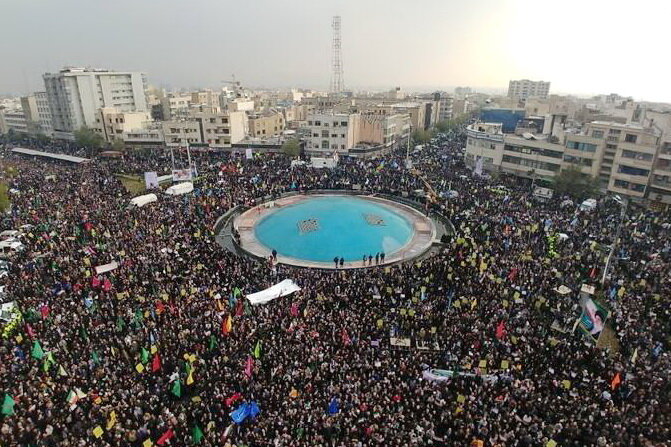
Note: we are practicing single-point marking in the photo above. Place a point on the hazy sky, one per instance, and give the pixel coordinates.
(586, 46)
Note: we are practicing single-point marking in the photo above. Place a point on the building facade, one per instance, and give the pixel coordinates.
(76, 94)
(38, 115)
(524, 88)
(622, 156)
(206, 127)
(331, 132)
(112, 124)
(14, 120)
(266, 124)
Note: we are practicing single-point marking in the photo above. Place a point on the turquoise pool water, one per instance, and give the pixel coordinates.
(321, 228)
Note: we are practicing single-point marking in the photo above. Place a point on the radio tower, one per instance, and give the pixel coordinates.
(337, 80)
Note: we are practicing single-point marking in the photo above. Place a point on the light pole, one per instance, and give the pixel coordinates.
(624, 204)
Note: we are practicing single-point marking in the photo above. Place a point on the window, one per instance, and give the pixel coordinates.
(597, 134)
(637, 155)
(343, 123)
(309, 123)
(325, 144)
(630, 138)
(334, 135)
(318, 123)
(630, 170)
(325, 133)
(614, 131)
(586, 147)
(342, 146)
(342, 135)
(326, 124)
(621, 184)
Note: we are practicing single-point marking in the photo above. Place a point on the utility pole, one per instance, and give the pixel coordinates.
(613, 246)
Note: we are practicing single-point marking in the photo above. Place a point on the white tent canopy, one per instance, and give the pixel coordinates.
(179, 189)
(140, 201)
(286, 287)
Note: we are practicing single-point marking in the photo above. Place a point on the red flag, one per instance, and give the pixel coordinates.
(501, 330)
(513, 274)
(345, 337)
(249, 367)
(239, 308)
(616, 381)
(44, 310)
(233, 399)
(169, 434)
(95, 282)
(30, 330)
(294, 309)
(156, 363)
(107, 285)
(160, 307)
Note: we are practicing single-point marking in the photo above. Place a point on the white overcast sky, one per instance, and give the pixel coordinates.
(582, 47)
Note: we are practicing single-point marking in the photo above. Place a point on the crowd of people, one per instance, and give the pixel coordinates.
(471, 344)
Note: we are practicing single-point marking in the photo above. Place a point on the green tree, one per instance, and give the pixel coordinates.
(4, 197)
(118, 145)
(572, 182)
(421, 136)
(291, 148)
(87, 138)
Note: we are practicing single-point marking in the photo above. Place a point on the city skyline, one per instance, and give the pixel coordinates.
(579, 48)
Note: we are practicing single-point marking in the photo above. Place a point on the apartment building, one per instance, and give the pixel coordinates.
(76, 94)
(621, 156)
(331, 132)
(266, 124)
(111, 124)
(208, 127)
(13, 120)
(38, 114)
(175, 107)
(524, 88)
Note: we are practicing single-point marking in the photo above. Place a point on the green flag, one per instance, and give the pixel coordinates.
(83, 333)
(37, 352)
(95, 358)
(257, 350)
(197, 434)
(120, 324)
(48, 361)
(144, 356)
(8, 406)
(213, 342)
(236, 292)
(177, 388)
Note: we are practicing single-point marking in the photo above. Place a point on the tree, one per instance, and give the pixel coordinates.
(572, 182)
(4, 197)
(87, 138)
(118, 145)
(291, 147)
(421, 136)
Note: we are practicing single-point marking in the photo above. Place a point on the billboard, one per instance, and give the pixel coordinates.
(181, 175)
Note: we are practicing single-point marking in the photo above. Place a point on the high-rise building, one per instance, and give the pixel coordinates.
(524, 88)
(76, 94)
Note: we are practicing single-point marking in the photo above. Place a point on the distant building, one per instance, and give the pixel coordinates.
(175, 107)
(76, 94)
(14, 120)
(266, 124)
(524, 88)
(206, 127)
(112, 124)
(462, 92)
(331, 132)
(38, 114)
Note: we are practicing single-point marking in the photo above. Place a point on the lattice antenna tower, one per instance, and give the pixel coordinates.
(337, 78)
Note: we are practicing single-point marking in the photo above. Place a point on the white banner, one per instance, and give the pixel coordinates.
(106, 267)
(151, 180)
(248, 153)
(283, 288)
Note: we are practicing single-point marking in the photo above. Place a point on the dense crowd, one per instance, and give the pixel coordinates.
(162, 349)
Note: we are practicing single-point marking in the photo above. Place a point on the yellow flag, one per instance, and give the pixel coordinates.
(153, 349)
(482, 364)
(112, 420)
(147, 443)
(139, 367)
(189, 379)
(461, 398)
(98, 431)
